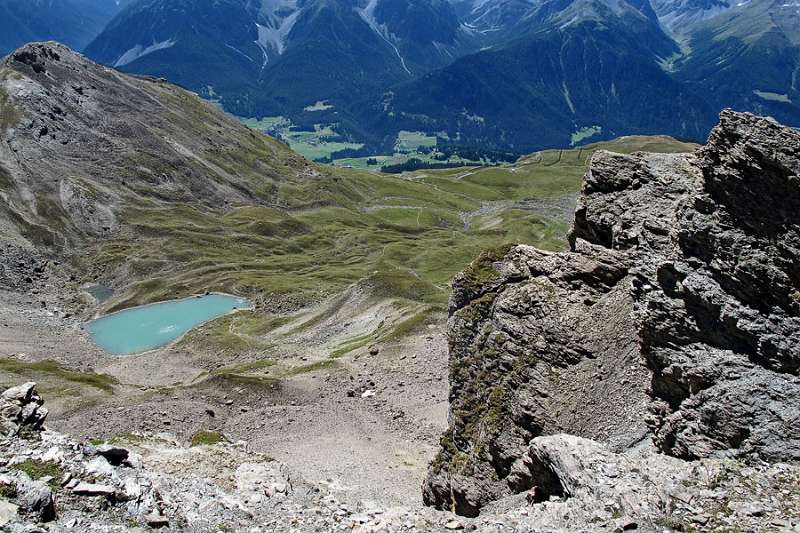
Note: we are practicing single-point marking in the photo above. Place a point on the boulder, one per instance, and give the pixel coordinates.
(113, 454)
(35, 497)
(257, 481)
(21, 393)
(156, 520)
(8, 512)
(21, 410)
(94, 489)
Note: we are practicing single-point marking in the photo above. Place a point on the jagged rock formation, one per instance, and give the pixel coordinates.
(583, 486)
(719, 309)
(572, 366)
(679, 300)
(21, 410)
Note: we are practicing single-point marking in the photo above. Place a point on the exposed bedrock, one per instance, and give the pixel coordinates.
(674, 318)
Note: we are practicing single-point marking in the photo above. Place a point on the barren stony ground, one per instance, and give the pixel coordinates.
(316, 422)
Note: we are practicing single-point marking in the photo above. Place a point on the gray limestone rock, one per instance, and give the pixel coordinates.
(21, 410)
(677, 305)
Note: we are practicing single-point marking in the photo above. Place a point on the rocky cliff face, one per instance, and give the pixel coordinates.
(674, 318)
(718, 301)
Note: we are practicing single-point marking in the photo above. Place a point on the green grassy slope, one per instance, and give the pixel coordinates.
(407, 234)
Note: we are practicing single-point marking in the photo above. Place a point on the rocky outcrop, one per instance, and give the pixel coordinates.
(49, 479)
(674, 317)
(142, 482)
(543, 346)
(583, 486)
(21, 268)
(49, 482)
(21, 410)
(719, 308)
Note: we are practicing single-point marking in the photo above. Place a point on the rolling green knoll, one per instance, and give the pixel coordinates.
(54, 379)
(407, 233)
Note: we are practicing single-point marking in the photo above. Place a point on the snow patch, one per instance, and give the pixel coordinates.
(276, 20)
(368, 14)
(239, 52)
(567, 98)
(141, 50)
(443, 49)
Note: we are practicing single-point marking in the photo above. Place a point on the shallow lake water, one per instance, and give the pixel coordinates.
(152, 326)
(100, 292)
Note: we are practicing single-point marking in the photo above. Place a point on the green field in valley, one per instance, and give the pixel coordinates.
(324, 142)
(317, 144)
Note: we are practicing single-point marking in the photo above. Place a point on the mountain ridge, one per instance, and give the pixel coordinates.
(59, 117)
(622, 90)
(366, 70)
(673, 314)
(74, 22)
(270, 47)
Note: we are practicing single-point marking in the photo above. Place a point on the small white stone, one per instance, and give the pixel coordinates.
(8, 512)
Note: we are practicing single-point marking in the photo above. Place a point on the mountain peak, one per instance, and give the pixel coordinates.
(38, 53)
(82, 139)
(50, 57)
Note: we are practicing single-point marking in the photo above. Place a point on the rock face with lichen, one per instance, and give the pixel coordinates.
(674, 318)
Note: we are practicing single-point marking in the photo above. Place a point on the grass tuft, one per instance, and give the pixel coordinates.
(206, 438)
(313, 367)
(36, 470)
(102, 382)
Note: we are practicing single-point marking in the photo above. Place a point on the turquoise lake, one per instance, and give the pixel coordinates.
(152, 326)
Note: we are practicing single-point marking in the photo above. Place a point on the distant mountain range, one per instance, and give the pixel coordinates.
(575, 69)
(73, 22)
(747, 57)
(492, 17)
(510, 74)
(279, 56)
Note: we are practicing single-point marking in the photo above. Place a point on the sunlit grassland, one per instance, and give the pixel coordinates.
(345, 225)
(411, 140)
(320, 143)
(586, 132)
(57, 382)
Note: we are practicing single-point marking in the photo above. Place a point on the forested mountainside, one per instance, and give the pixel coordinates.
(515, 75)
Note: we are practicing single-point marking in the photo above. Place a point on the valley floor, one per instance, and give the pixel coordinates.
(316, 421)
